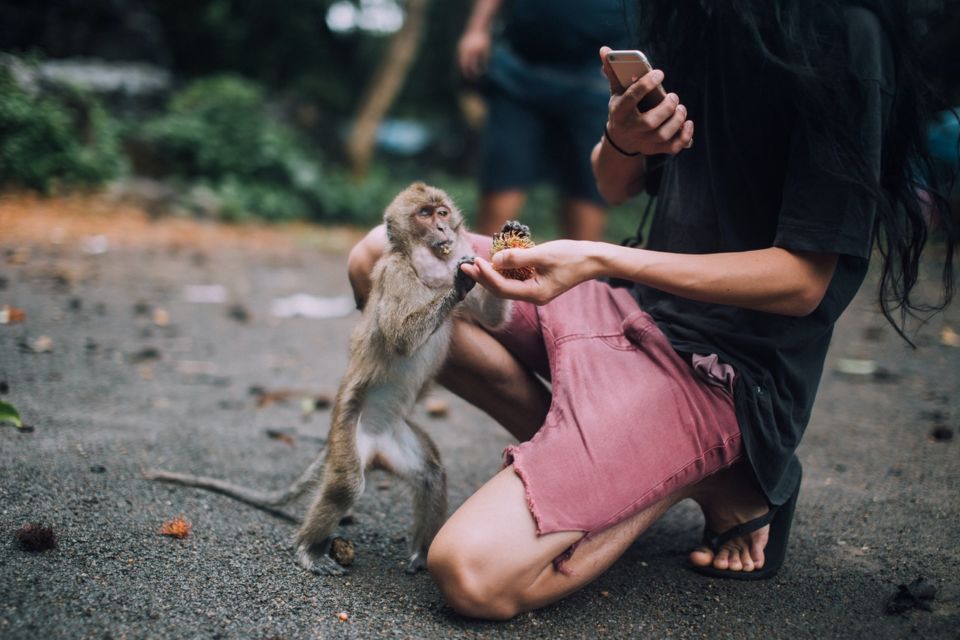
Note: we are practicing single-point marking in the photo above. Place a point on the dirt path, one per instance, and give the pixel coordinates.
(116, 369)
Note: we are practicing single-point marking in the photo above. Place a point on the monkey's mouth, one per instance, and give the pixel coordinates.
(443, 247)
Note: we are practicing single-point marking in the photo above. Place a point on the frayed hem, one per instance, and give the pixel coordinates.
(511, 458)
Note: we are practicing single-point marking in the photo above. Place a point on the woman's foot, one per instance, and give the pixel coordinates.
(729, 498)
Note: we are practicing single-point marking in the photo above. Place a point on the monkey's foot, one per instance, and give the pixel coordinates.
(417, 562)
(318, 563)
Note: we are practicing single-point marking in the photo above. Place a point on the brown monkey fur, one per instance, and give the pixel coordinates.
(399, 345)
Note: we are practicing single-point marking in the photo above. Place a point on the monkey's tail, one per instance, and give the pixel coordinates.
(266, 500)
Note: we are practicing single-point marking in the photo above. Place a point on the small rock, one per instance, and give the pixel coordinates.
(239, 313)
(437, 408)
(342, 616)
(161, 317)
(43, 344)
(144, 355)
(949, 337)
(941, 434)
(98, 468)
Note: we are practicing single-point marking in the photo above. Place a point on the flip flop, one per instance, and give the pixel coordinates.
(779, 518)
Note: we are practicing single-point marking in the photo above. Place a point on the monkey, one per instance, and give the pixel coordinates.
(397, 348)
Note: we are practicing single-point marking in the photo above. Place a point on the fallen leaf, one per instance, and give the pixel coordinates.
(12, 315)
(266, 398)
(283, 437)
(949, 337)
(9, 415)
(176, 528)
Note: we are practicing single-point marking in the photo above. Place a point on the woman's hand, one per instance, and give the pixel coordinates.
(663, 129)
(559, 265)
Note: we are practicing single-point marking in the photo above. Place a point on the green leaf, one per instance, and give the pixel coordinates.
(9, 414)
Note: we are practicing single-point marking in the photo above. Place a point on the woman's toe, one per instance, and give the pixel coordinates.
(745, 560)
(722, 559)
(757, 545)
(701, 557)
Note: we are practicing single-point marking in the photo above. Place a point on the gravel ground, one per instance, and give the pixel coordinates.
(137, 376)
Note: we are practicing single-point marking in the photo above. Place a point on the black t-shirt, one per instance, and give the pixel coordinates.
(755, 179)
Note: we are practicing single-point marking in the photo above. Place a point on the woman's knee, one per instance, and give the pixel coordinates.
(457, 567)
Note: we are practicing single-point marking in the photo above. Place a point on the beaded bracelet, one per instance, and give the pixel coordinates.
(606, 134)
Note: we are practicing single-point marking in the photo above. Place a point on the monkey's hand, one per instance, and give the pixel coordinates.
(462, 283)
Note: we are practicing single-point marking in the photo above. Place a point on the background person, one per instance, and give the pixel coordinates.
(546, 101)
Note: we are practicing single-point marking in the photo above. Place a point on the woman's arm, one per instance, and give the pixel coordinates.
(773, 280)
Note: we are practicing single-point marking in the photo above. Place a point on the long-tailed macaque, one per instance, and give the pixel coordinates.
(398, 347)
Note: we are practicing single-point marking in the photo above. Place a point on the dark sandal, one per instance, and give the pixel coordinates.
(779, 518)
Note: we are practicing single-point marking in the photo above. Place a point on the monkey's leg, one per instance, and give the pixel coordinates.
(428, 481)
(342, 485)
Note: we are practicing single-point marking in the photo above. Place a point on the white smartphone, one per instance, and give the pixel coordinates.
(630, 64)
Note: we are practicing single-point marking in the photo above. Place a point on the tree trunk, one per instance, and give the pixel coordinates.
(384, 87)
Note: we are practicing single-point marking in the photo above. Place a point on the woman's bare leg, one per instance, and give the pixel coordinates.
(490, 563)
(484, 373)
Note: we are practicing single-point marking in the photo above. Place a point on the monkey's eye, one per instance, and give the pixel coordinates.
(425, 212)
(443, 213)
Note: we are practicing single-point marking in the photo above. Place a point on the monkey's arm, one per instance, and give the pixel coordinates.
(409, 312)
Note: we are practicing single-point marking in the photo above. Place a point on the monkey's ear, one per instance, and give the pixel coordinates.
(418, 186)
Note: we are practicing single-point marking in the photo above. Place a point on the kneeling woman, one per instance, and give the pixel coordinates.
(696, 378)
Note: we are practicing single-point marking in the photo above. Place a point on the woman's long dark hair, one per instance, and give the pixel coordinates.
(804, 39)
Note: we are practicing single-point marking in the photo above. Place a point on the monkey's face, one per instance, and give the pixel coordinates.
(437, 222)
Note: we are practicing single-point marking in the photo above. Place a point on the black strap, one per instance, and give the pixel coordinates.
(716, 540)
(606, 134)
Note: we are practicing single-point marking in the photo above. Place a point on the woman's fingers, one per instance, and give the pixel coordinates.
(644, 85)
(488, 277)
(615, 86)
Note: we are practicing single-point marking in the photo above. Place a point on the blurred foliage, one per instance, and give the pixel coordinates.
(218, 127)
(55, 139)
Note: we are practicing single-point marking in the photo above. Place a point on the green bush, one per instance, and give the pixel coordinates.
(56, 139)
